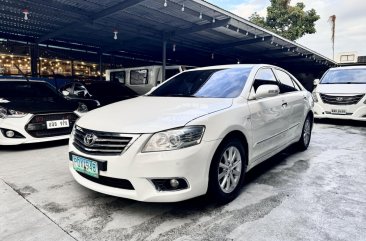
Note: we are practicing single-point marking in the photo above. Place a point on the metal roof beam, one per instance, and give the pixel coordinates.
(198, 28)
(93, 17)
(243, 42)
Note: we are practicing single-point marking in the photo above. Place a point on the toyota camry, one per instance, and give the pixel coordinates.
(199, 132)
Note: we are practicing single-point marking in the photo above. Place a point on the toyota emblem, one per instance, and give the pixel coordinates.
(339, 99)
(89, 139)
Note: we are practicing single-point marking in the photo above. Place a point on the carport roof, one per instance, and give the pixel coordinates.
(195, 36)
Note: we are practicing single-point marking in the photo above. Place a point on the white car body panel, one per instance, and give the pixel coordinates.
(264, 120)
(143, 112)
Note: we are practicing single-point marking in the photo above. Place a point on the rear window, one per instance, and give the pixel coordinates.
(217, 83)
(345, 76)
(118, 76)
(139, 77)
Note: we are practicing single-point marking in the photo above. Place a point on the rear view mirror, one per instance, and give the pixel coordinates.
(316, 82)
(65, 92)
(264, 91)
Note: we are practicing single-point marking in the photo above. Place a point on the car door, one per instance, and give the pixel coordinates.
(294, 98)
(267, 117)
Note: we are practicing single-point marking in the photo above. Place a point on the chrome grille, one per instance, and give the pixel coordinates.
(37, 126)
(341, 100)
(102, 143)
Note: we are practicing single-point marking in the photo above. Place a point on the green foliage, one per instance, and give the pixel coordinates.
(291, 22)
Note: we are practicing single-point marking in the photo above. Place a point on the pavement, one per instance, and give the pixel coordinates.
(319, 194)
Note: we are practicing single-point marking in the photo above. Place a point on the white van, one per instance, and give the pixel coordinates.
(341, 94)
(142, 79)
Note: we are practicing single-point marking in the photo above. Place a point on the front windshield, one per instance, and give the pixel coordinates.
(213, 83)
(25, 90)
(345, 76)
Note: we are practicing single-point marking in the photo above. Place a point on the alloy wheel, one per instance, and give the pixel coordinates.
(230, 169)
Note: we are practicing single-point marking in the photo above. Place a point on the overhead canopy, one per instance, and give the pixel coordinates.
(197, 33)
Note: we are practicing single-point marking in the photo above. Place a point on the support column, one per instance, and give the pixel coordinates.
(164, 58)
(100, 65)
(34, 60)
(72, 68)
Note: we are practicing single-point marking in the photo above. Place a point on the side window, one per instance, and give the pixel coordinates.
(80, 90)
(67, 87)
(118, 76)
(287, 85)
(139, 77)
(264, 77)
(297, 87)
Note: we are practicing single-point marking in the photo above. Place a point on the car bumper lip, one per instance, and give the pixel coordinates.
(191, 163)
(18, 125)
(356, 112)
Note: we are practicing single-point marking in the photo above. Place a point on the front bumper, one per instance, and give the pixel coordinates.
(353, 112)
(192, 164)
(18, 125)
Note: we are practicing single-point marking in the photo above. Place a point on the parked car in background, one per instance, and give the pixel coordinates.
(341, 94)
(97, 93)
(33, 111)
(197, 133)
(143, 79)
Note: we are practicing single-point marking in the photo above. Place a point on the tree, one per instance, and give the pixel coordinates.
(291, 22)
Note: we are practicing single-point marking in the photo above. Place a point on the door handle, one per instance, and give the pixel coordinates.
(284, 105)
(305, 98)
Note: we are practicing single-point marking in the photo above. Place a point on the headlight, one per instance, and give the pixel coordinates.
(315, 98)
(8, 113)
(175, 139)
(82, 108)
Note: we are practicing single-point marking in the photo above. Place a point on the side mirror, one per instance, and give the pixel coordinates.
(65, 93)
(316, 82)
(264, 91)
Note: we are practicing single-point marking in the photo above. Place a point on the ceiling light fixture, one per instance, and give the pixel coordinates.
(26, 13)
(115, 34)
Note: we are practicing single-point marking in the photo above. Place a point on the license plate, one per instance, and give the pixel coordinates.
(338, 111)
(57, 124)
(84, 165)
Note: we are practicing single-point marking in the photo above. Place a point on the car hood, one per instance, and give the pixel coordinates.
(147, 114)
(39, 105)
(341, 88)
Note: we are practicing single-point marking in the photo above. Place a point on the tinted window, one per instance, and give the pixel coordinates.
(217, 83)
(345, 76)
(109, 89)
(118, 76)
(264, 77)
(138, 77)
(170, 73)
(24, 90)
(286, 82)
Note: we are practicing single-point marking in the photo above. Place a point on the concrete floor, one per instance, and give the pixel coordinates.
(319, 194)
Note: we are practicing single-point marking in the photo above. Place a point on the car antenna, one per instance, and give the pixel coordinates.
(26, 77)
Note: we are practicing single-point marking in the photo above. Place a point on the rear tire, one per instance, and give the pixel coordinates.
(227, 171)
(305, 138)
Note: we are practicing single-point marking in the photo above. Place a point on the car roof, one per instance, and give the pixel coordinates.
(22, 80)
(349, 67)
(231, 66)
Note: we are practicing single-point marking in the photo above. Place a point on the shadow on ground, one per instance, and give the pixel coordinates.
(31, 146)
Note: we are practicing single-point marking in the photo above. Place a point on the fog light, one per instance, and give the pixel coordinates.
(9, 134)
(168, 184)
(174, 183)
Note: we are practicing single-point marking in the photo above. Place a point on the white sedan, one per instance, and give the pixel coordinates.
(197, 133)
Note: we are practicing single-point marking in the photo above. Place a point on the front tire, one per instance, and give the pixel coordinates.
(304, 141)
(227, 171)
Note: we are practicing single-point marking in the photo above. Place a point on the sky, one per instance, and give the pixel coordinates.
(350, 22)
